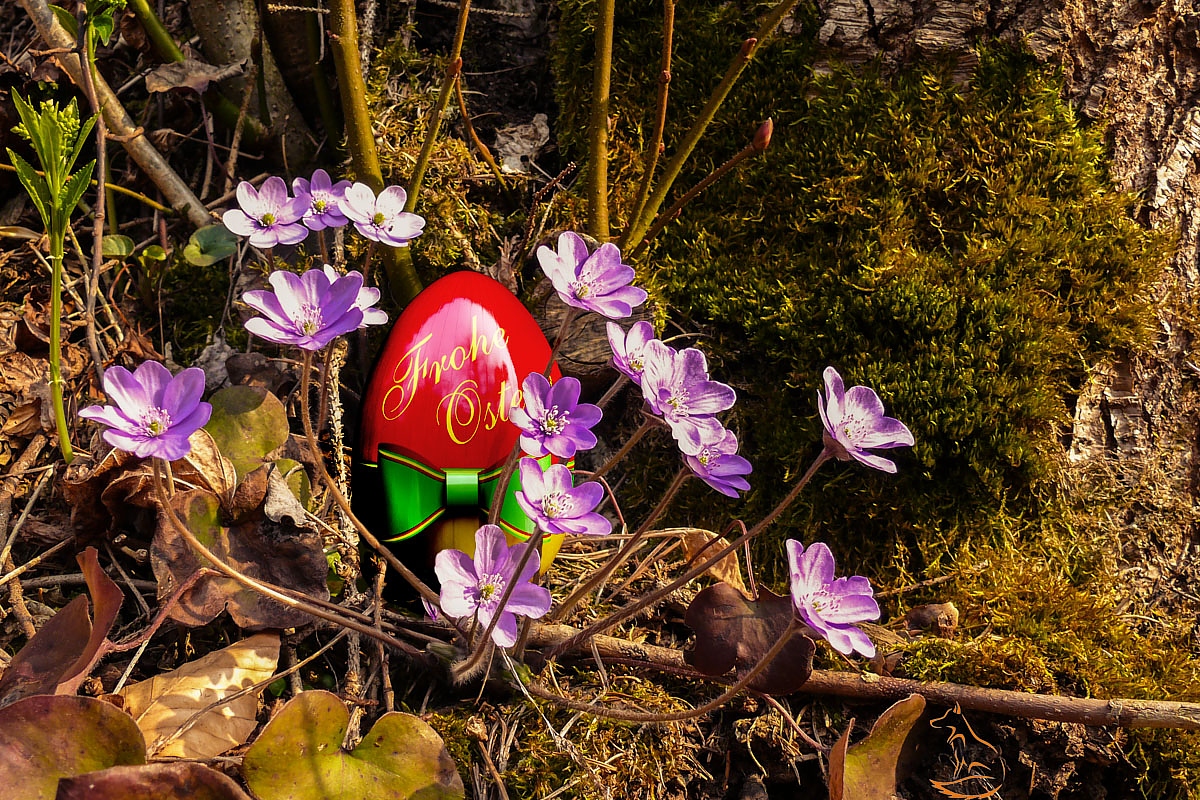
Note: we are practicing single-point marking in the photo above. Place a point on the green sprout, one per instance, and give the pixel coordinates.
(57, 137)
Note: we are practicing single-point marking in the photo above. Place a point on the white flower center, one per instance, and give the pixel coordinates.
(676, 406)
(320, 204)
(637, 364)
(378, 219)
(823, 601)
(853, 429)
(556, 504)
(267, 220)
(582, 289)
(491, 588)
(310, 320)
(155, 422)
(554, 421)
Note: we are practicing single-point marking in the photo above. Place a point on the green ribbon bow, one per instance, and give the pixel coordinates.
(417, 495)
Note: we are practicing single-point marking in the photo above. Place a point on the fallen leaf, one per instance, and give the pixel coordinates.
(728, 569)
(190, 73)
(205, 460)
(279, 553)
(299, 756)
(61, 655)
(48, 737)
(247, 423)
(871, 769)
(940, 619)
(24, 420)
(151, 782)
(163, 703)
(735, 633)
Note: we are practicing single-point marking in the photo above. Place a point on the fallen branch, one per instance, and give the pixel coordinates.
(1056, 708)
(121, 127)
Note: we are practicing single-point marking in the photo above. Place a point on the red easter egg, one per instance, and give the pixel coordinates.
(450, 371)
(439, 397)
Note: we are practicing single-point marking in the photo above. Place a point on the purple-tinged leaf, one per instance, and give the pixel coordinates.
(48, 737)
(735, 633)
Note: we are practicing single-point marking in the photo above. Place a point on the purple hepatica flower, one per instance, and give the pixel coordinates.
(550, 501)
(474, 587)
(154, 413)
(553, 420)
(306, 310)
(381, 219)
(267, 215)
(598, 282)
(629, 348)
(854, 422)
(721, 467)
(827, 605)
(677, 388)
(368, 296)
(324, 200)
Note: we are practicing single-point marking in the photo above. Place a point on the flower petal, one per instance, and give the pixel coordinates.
(491, 550)
(183, 393)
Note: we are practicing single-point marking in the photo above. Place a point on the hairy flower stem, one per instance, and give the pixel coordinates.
(466, 668)
(637, 606)
(308, 605)
(625, 448)
(617, 386)
(321, 243)
(821, 458)
(564, 328)
(510, 464)
(673, 212)
(677, 716)
(340, 499)
(360, 139)
(654, 150)
(597, 174)
(88, 47)
(637, 228)
(622, 555)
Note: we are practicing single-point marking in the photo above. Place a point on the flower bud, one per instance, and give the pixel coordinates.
(762, 137)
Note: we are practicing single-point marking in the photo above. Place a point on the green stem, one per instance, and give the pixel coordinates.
(638, 227)
(660, 119)
(360, 139)
(223, 109)
(57, 240)
(671, 213)
(597, 175)
(439, 108)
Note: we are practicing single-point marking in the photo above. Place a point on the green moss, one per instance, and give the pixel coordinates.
(960, 249)
(458, 232)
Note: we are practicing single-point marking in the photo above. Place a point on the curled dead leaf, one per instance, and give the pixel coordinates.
(160, 705)
(728, 569)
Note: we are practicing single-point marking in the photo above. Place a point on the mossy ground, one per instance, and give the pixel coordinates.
(958, 248)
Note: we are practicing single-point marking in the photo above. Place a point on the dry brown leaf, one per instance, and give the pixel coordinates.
(728, 569)
(163, 703)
